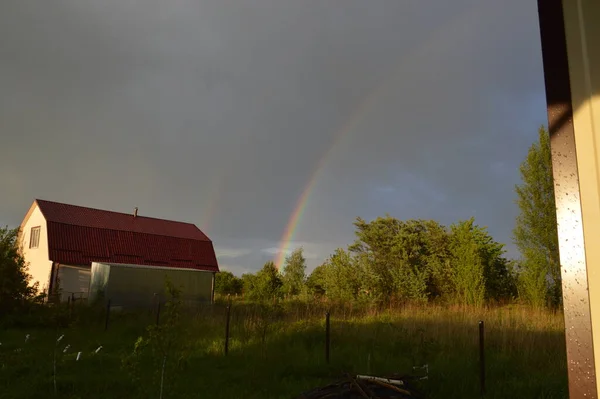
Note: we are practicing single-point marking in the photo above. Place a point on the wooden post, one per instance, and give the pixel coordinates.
(158, 312)
(481, 358)
(107, 315)
(227, 328)
(153, 305)
(212, 289)
(327, 337)
(69, 307)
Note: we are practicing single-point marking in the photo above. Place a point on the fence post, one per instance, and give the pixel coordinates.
(158, 312)
(227, 328)
(481, 357)
(107, 315)
(327, 337)
(69, 307)
(152, 305)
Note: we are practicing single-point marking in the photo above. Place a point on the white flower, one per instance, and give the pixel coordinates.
(78, 356)
(60, 338)
(66, 348)
(98, 350)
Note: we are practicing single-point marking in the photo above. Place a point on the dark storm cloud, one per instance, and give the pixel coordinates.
(469, 104)
(217, 112)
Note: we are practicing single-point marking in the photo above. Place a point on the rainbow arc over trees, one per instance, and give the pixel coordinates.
(438, 40)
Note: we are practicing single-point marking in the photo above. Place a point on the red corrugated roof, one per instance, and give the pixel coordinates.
(89, 217)
(79, 236)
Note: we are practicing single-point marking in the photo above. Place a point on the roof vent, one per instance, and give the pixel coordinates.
(135, 212)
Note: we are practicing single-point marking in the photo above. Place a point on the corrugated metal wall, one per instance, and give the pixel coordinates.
(134, 286)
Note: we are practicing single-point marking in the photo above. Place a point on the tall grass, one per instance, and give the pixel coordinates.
(277, 351)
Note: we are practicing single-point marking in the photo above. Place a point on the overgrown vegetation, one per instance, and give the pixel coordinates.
(16, 294)
(161, 348)
(535, 233)
(411, 261)
(277, 351)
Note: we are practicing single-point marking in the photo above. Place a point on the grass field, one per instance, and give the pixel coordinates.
(280, 353)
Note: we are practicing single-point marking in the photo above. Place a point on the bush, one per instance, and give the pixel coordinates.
(16, 295)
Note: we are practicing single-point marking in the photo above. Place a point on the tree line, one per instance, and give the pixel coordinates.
(424, 261)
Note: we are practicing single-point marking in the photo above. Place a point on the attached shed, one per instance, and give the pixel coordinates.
(129, 285)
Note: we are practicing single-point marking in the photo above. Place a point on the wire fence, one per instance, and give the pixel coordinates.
(236, 324)
(242, 322)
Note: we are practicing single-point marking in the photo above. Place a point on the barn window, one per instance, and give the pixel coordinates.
(34, 237)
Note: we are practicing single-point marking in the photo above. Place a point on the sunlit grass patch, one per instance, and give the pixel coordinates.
(279, 351)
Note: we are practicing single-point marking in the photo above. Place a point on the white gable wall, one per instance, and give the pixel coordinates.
(39, 264)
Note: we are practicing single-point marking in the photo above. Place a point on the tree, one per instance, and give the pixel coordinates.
(294, 273)
(342, 276)
(535, 232)
(264, 285)
(421, 249)
(226, 283)
(375, 244)
(248, 284)
(479, 271)
(467, 264)
(406, 258)
(437, 259)
(316, 281)
(15, 291)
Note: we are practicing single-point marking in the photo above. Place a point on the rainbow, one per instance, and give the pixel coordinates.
(302, 202)
(440, 38)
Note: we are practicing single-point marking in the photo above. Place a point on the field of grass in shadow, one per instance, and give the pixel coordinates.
(279, 353)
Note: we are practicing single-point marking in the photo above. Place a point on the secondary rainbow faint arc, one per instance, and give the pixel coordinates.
(213, 202)
(364, 106)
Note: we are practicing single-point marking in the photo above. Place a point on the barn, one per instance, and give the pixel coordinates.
(134, 253)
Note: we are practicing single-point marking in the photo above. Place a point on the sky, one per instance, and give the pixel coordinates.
(263, 121)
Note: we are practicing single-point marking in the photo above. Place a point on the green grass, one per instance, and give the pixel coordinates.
(525, 353)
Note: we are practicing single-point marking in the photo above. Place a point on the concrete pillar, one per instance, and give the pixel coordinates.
(570, 33)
